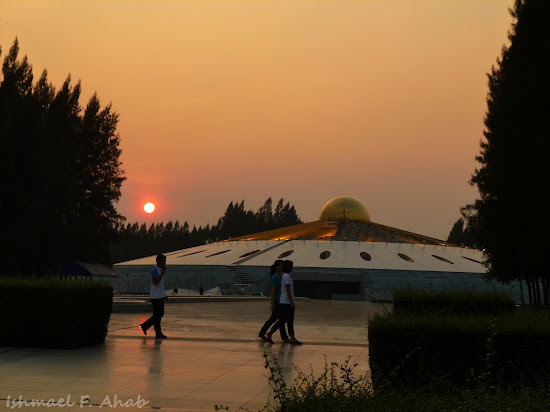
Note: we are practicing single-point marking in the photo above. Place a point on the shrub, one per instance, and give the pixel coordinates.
(336, 389)
(413, 349)
(54, 313)
(460, 303)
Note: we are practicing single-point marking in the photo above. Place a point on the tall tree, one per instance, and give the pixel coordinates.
(236, 221)
(285, 215)
(264, 216)
(61, 173)
(511, 216)
(460, 235)
(455, 236)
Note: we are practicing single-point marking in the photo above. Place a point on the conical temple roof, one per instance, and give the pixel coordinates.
(343, 218)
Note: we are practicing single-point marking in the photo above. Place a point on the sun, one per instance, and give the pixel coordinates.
(149, 207)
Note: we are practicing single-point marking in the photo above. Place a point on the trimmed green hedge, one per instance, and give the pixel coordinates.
(452, 302)
(54, 313)
(412, 349)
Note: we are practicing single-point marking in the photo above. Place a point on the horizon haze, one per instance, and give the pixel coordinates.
(224, 101)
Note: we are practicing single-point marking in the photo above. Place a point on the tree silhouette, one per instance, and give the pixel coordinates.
(461, 236)
(264, 217)
(61, 172)
(285, 215)
(236, 221)
(455, 236)
(511, 216)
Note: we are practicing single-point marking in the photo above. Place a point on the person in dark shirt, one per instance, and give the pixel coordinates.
(276, 272)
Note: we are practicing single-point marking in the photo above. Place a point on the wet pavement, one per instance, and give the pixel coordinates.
(212, 357)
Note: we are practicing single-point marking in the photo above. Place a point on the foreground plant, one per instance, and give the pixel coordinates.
(337, 389)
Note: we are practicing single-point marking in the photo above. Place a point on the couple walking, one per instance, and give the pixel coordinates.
(282, 304)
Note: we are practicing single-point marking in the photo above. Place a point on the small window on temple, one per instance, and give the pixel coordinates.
(325, 254)
(473, 260)
(443, 259)
(218, 253)
(365, 256)
(249, 253)
(285, 254)
(405, 257)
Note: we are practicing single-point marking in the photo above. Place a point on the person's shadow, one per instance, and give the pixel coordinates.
(281, 357)
(156, 355)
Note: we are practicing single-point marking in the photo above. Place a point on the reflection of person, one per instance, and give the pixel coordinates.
(201, 290)
(157, 298)
(287, 301)
(276, 273)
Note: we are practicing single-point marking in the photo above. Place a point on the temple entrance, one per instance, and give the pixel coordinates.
(328, 290)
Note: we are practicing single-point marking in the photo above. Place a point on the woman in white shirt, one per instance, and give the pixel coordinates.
(286, 301)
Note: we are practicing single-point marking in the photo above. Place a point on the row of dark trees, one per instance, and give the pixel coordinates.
(61, 176)
(137, 240)
(60, 171)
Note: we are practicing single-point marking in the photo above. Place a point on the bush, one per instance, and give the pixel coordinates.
(413, 349)
(460, 303)
(54, 313)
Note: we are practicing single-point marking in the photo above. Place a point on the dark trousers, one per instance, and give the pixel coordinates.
(275, 315)
(158, 313)
(287, 317)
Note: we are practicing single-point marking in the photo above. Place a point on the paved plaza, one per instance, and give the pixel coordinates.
(212, 357)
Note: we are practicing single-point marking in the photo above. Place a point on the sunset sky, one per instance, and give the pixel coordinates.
(225, 100)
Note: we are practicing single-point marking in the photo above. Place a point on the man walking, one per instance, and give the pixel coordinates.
(157, 298)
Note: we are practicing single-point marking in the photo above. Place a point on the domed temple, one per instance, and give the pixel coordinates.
(343, 255)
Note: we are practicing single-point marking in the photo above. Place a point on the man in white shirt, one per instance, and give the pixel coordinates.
(157, 298)
(286, 301)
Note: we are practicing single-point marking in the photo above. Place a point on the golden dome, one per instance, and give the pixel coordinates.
(345, 208)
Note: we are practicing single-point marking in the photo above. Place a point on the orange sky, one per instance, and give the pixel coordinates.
(382, 100)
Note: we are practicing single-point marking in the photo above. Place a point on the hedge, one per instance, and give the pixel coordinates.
(452, 302)
(54, 313)
(410, 349)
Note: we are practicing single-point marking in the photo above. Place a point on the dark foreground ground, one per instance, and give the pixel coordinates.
(212, 357)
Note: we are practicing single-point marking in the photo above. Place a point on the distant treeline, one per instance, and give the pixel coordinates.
(136, 240)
